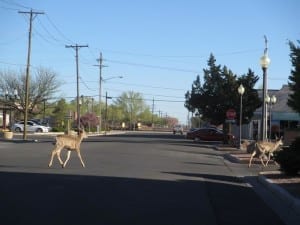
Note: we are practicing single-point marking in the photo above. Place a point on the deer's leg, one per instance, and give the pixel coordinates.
(269, 157)
(79, 155)
(52, 156)
(67, 159)
(251, 158)
(54, 152)
(261, 159)
(58, 156)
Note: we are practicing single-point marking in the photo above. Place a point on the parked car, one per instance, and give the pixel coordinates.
(39, 122)
(178, 129)
(31, 127)
(208, 134)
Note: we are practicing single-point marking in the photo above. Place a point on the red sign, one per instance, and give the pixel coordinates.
(231, 114)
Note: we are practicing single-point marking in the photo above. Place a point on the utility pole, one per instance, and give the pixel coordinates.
(152, 113)
(31, 17)
(100, 65)
(76, 47)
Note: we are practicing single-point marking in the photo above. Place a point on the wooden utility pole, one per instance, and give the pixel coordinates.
(100, 65)
(152, 113)
(31, 17)
(76, 47)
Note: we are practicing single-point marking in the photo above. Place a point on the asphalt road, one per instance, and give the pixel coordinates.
(129, 179)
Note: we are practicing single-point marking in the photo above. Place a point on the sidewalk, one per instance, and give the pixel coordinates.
(283, 203)
(17, 137)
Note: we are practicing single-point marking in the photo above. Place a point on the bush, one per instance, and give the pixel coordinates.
(58, 129)
(289, 158)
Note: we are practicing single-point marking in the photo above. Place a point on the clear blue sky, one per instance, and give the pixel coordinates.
(158, 46)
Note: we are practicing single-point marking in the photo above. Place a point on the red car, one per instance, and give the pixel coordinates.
(208, 134)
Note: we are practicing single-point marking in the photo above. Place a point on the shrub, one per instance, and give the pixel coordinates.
(58, 129)
(289, 158)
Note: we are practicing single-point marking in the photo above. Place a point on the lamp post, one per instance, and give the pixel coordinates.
(241, 91)
(264, 62)
(271, 101)
(100, 96)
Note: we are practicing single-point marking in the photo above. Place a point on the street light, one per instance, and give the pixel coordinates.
(100, 95)
(264, 62)
(271, 101)
(241, 91)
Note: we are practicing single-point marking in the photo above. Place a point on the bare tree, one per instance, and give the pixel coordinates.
(43, 84)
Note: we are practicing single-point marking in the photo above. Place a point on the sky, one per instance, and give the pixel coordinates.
(157, 46)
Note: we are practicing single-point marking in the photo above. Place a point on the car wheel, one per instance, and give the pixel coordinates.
(196, 139)
(39, 130)
(18, 129)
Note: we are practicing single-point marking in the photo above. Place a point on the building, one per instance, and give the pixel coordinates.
(279, 115)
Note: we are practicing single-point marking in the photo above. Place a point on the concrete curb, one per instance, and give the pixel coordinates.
(293, 203)
(232, 158)
(52, 134)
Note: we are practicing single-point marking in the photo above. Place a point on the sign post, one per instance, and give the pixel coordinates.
(230, 118)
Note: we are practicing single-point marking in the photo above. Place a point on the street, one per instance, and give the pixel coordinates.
(134, 178)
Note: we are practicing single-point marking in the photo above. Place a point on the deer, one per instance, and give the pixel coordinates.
(262, 148)
(69, 143)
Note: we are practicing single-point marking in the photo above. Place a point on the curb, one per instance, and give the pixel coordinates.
(293, 203)
(232, 158)
(53, 134)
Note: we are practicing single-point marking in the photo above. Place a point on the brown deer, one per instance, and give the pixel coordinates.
(70, 143)
(264, 148)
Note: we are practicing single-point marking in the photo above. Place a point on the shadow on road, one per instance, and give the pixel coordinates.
(35, 198)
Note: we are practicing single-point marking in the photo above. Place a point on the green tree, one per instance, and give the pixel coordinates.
(251, 100)
(60, 111)
(191, 97)
(219, 93)
(146, 116)
(294, 78)
(132, 104)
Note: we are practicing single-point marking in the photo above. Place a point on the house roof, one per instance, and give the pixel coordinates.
(280, 110)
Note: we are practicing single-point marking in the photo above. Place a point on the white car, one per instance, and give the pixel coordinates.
(31, 127)
(178, 129)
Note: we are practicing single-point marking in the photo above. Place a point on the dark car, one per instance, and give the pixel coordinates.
(208, 134)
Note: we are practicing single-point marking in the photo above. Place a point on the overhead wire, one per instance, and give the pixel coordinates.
(52, 37)
(58, 30)
(11, 2)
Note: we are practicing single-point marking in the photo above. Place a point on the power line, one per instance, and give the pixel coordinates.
(11, 2)
(153, 66)
(58, 30)
(150, 86)
(49, 33)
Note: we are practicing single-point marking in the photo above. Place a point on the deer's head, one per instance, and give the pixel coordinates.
(82, 133)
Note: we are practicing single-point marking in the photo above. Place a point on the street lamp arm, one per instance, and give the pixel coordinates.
(110, 78)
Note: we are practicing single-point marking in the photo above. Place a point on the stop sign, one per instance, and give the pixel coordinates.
(230, 114)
